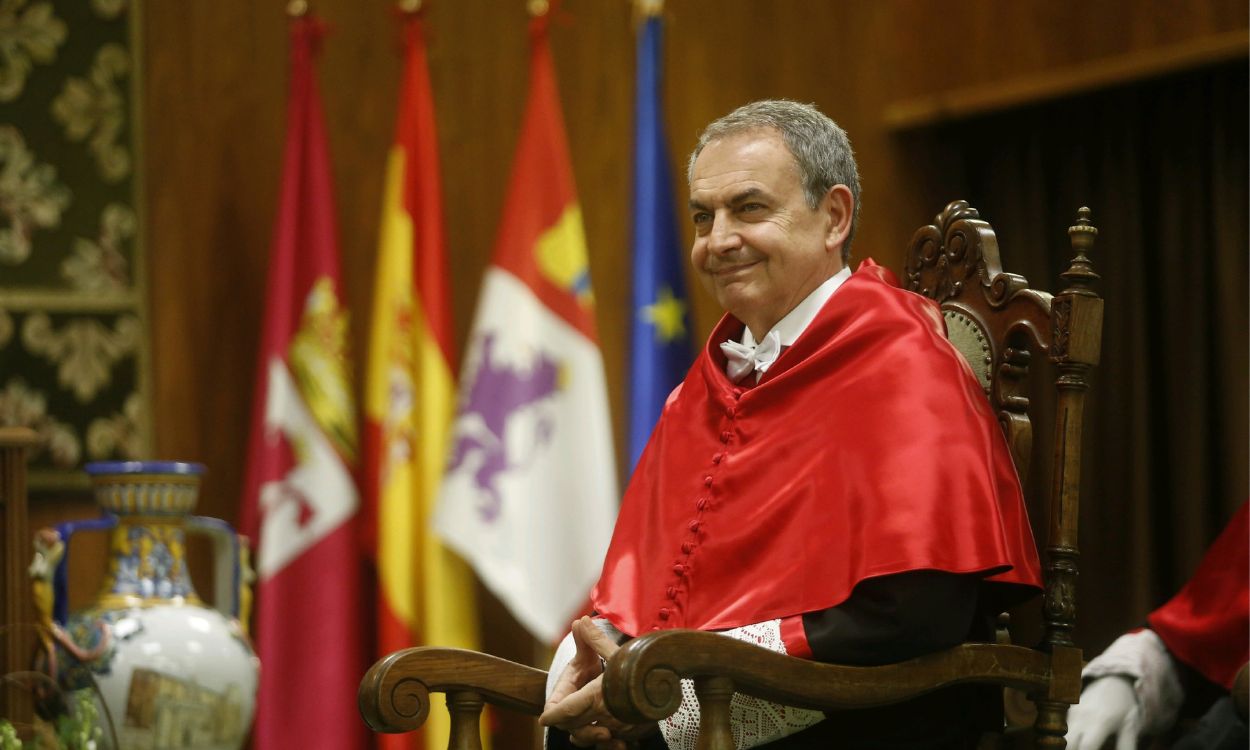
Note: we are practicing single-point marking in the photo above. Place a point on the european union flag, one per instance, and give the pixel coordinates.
(660, 341)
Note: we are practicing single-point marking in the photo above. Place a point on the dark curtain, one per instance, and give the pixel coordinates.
(1163, 166)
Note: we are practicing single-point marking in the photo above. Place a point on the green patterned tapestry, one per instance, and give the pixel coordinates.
(73, 330)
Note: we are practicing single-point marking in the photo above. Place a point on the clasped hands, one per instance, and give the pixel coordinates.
(576, 704)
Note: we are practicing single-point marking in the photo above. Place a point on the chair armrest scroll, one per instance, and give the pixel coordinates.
(394, 695)
(642, 682)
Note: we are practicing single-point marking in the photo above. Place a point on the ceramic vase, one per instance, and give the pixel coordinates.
(173, 671)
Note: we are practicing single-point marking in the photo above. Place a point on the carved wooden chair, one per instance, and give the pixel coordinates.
(998, 323)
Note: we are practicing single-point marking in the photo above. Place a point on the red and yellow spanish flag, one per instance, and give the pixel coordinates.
(300, 501)
(425, 593)
(530, 493)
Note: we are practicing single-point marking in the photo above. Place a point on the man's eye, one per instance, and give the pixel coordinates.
(701, 217)
(751, 207)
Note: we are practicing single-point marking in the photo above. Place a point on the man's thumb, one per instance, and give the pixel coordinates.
(588, 633)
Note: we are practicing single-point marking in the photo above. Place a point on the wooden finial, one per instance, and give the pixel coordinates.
(297, 8)
(1081, 271)
(1083, 231)
(538, 8)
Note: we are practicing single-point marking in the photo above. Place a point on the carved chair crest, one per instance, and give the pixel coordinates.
(993, 318)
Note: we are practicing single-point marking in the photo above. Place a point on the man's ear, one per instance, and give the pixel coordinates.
(840, 205)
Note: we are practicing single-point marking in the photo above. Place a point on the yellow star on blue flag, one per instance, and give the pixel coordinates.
(667, 315)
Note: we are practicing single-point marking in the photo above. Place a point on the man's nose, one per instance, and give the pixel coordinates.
(724, 236)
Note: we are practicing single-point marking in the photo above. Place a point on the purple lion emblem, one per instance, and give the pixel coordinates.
(496, 394)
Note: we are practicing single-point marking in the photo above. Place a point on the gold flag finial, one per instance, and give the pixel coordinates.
(297, 8)
(648, 8)
(538, 7)
(409, 6)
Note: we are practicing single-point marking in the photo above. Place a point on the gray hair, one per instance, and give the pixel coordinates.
(820, 148)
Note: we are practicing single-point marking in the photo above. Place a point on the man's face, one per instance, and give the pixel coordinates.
(758, 247)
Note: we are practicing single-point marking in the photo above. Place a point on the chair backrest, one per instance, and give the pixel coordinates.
(999, 324)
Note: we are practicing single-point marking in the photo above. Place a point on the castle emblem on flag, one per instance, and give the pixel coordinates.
(318, 361)
(494, 431)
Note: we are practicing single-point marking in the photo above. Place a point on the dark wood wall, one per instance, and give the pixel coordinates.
(213, 98)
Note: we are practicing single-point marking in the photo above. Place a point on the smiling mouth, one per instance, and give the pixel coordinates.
(730, 271)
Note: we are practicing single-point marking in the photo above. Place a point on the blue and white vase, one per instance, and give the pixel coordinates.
(174, 672)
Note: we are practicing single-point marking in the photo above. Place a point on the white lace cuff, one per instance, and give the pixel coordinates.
(753, 721)
(1143, 658)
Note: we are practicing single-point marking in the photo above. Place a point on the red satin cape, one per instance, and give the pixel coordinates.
(1207, 624)
(867, 449)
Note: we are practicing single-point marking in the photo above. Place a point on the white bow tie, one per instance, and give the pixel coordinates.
(743, 359)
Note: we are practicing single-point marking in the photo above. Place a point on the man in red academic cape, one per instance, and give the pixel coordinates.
(827, 482)
(1194, 648)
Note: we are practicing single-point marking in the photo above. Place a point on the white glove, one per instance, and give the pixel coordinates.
(1108, 706)
(1141, 659)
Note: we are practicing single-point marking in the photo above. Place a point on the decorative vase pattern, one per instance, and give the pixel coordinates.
(173, 671)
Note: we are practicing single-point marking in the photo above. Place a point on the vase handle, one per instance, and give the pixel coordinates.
(52, 558)
(232, 570)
